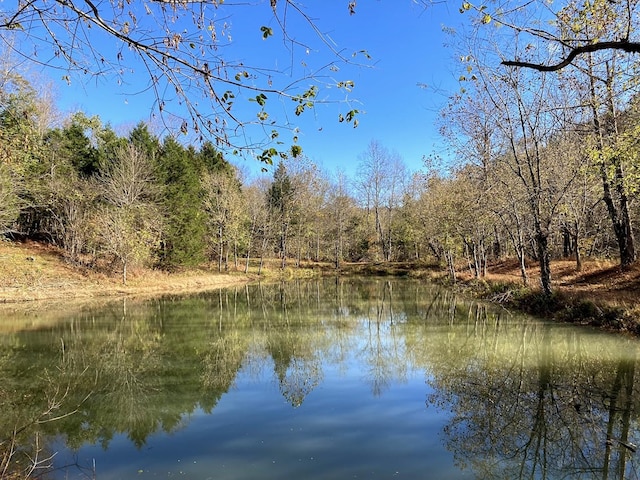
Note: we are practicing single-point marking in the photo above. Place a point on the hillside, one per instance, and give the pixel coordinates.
(33, 271)
(601, 294)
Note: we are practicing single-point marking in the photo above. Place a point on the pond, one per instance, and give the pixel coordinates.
(329, 378)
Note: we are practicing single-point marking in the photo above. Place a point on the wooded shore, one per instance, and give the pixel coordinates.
(600, 294)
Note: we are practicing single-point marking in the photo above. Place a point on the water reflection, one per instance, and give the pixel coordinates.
(505, 396)
(540, 401)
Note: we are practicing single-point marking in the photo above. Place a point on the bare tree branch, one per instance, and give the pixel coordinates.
(624, 45)
(180, 46)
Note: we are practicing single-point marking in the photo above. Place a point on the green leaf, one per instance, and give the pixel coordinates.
(296, 151)
(267, 156)
(351, 115)
(266, 32)
(347, 85)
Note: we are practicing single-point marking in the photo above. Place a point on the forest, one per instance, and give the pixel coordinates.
(530, 190)
(544, 164)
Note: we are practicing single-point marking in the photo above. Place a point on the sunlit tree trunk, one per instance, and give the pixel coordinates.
(617, 208)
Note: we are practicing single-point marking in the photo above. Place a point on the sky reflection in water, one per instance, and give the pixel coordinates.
(323, 379)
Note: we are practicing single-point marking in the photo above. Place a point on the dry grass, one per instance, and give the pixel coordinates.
(33, 271)
(601, 280)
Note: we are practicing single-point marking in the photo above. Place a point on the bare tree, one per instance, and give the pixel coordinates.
(590, 45)
(255, 200)
(128, 223)
(340, 208)
(223, 204)
(309, 198)
(380, 173)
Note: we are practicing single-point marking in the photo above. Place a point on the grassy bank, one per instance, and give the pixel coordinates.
(32, 271)
(599, 294)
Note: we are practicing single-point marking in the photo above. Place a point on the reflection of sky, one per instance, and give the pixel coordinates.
(375, 400)
(340, 430)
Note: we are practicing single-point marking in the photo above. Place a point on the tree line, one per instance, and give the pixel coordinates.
(554, 147)
(545, 165)
(113, 201)
(137, 199)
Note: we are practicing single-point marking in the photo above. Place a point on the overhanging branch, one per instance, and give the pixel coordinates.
(624, 45)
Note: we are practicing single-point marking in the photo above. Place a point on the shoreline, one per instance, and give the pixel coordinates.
(34, 273)
(35, 276)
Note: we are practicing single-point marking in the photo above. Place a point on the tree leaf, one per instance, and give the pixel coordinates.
(266, 32)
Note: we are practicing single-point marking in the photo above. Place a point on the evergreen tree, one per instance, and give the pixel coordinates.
(72, 145)
(212, 160)
(145, 141)
(281, 207)
(109, 145)
(185, 222)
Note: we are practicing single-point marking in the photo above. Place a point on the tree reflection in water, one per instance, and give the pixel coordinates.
(519, 398)
(533, 403)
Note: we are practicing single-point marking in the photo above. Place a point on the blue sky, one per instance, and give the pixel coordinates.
(399, 90)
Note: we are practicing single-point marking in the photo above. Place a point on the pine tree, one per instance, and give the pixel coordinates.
(281, 207)
(144, 140)
(185, 228)
(212, 160)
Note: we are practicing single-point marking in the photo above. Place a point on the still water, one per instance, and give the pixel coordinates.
(321, 379)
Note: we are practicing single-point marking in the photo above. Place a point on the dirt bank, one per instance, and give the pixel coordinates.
(32, 271)
(601, 293)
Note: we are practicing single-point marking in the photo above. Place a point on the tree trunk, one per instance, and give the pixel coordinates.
(566, 243)
(450, 265)
(619, 214)
(476, 261)
(544, 259)
(235, 254)
(523, 264)
(497, 245)
(576, 248)
(467, 256)
(246, 263)
(283, 244)
(220, 253)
